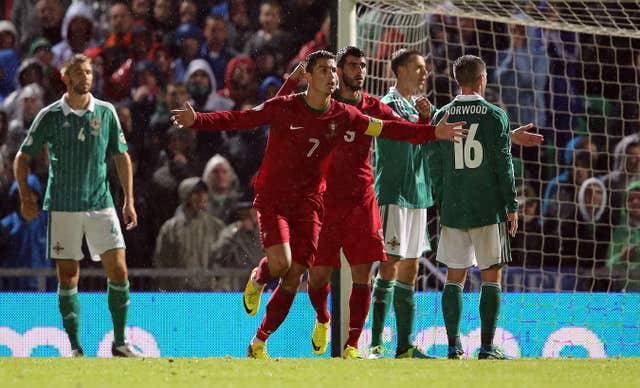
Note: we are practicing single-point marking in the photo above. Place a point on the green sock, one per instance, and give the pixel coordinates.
(118, 296)
(452, 311)
(489, 312)
(382, 296)
(405, 307)
(69, 306)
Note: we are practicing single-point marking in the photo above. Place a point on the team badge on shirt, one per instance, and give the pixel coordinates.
(95, 127)
(332, 130)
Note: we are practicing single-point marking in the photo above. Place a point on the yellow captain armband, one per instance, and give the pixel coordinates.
(374, 128)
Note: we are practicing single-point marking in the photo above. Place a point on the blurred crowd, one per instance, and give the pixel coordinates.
(193, 190)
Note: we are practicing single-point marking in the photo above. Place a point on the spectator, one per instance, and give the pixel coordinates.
(28, 104)
(240, 29)
(188, 39)
(240, 83)
(29, 72)
(188, 12)
(176, 164)
(201, 85)
(186, 240)
(626, 169)
(216, 48)
(77, 30)
(270, 34)
(53, 86)
(9, 60)
(117, 47)
(25, 243)
(48, 23)
(624, 251)
(319, 42)
(222, 182)
(141, 11)
(165, 20)
(239, 245)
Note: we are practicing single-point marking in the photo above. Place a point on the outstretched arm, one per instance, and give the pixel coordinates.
(417, 133)
(521, 137)
(221, 121)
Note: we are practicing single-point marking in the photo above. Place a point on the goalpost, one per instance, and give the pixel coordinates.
(570, 68)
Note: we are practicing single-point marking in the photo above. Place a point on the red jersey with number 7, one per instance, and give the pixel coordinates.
(301, 139)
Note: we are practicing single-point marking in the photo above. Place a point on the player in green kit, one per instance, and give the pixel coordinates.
(79, 131)
(475, 190)
(403, 191)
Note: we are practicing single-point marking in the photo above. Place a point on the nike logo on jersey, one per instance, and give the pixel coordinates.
(293, 128)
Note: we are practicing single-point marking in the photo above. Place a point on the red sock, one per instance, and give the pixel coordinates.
(277, 309)
(359, 302)
(263, 276)
(319, 299)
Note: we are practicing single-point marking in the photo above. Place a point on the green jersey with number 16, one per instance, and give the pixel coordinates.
(473, 180)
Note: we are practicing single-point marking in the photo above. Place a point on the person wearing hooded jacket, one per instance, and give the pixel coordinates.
(626, 169)
(201, 86)
(624, 250)
(77, 31)
(186, 240)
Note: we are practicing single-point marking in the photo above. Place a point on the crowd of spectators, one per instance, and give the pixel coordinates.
(193, 190)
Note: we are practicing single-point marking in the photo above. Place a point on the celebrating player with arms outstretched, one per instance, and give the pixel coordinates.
(474, 187)
(304, 129)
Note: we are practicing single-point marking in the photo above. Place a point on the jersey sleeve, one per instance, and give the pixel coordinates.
(37, 135)
(117, 141)
(504, 165)
(392, 129)
(288, 87)
(235, 120)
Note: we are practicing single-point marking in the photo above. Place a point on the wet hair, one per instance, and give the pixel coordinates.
(313, 58)
(343, 53)
(401, 58)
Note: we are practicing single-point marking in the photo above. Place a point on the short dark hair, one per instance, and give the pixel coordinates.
(401, 57)
(467, 69)
(344, 52)
(313, 58)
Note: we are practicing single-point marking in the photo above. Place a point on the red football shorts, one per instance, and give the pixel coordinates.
(354, 226)
(296, 220)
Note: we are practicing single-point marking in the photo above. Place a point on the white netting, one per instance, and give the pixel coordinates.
(570, 68)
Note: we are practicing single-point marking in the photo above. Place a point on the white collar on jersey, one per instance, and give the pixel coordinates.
(469, 97)
(396, 93)
(66, 109)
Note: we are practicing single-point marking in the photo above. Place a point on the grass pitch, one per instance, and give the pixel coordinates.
(228, 372)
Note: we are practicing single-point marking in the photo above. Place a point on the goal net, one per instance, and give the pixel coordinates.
(569, 67)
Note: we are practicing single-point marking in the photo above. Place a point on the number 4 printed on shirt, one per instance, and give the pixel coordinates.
(81, 135)
(462, 150)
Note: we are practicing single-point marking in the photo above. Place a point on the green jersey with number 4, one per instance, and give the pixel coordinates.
(473, 180)
(78, 143)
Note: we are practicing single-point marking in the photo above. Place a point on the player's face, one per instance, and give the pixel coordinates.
(353, 72)
(80, 78)
(416, 73)
(324, 77)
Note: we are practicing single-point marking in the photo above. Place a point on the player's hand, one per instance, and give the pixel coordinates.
(129, 216)
(184, 117)
(29, 205)
(298, 73)
(450, 131)
(513, 219)
(521, 137)
(423, 106)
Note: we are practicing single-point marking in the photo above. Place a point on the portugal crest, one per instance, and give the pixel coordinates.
(332, 130)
